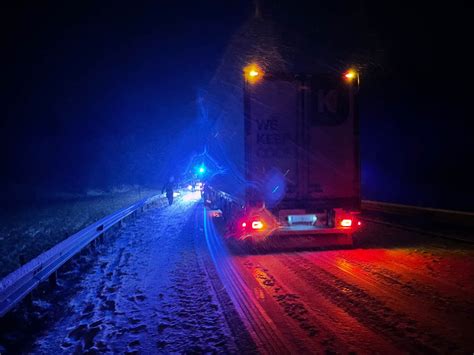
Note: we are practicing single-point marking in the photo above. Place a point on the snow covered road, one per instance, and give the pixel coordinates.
(414, 294)
(149, 292)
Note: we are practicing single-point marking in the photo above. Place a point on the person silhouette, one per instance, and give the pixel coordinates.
(168, 187)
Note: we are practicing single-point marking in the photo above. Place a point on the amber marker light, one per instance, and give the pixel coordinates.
(350, 75)
(253, 73)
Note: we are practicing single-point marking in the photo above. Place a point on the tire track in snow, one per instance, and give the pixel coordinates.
(407, 266)
(432, 261)
(434, 314)
(266, 335)
(369, 310)
(451, 304)
(338, 331)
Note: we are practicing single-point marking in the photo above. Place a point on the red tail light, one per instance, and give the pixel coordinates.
(346, 222)
(256, 223)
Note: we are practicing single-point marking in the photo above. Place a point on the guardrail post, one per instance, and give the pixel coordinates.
(29, 300)
(53, 278)
(225, 210)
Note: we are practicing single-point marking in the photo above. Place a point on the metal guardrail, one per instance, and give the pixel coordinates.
(455, 217)
(225, 196)
(18, 284)
(228, 204)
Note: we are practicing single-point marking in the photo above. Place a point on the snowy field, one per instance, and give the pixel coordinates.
(28, 231)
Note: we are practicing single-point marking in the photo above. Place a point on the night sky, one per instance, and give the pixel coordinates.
(94, 93)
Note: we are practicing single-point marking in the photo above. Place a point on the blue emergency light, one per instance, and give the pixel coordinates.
(201, 170)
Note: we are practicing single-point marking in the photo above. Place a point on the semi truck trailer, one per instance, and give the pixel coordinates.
(301, 157)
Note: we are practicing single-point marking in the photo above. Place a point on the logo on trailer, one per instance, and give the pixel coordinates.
(329, 102)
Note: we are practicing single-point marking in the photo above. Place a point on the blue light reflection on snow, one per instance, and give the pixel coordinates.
(191, 196)
(213, 239)
(228, 273)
